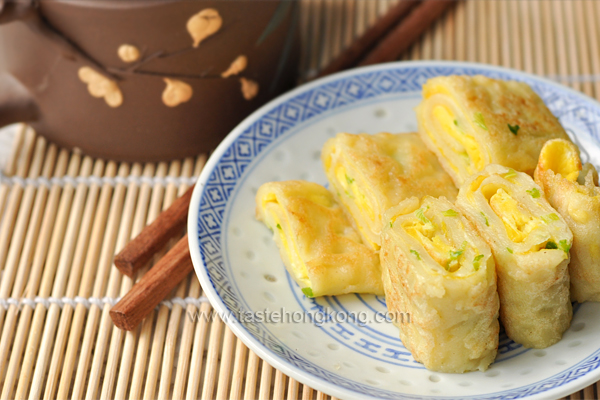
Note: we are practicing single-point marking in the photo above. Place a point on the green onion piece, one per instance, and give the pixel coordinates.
(420, 214)
(349, 180)
(486, 220)
(510, 174)
(564, 246)
(465, 158)
(479, 121)
(476, 261)
(514, 129)
(534, 192)
(391, 225)
(509, 250)
(450, 213)
(308, 292)
(416, 253)
(551, 245)
(550, 217)
(456, 122)
(278, 226)
(457, 253)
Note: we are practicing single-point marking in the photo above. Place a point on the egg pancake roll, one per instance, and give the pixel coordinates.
(319, 247)
(573, 190)
(437, 269)
(530, 242)
(371, 173)
(472, 121)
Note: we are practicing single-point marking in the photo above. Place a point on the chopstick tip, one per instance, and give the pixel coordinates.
(120, 319)
(125, 266)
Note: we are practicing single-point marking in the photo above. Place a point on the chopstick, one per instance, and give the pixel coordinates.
(149, 291)
(357, 50)
(407, 32)
(385, 41)
(391, 35)
(153, 237)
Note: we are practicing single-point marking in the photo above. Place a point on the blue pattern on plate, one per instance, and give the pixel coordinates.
(569, 108)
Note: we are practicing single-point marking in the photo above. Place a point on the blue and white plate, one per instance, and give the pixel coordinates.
(344, 346)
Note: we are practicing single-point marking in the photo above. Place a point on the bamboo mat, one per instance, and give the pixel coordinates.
(63, 216)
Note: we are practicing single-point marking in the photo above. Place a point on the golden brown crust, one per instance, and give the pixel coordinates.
(317, 243)
(533, 279)
(386, 168)
(500, 103)
(579, 204)
(453, 314)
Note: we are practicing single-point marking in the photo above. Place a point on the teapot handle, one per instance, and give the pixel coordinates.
(16, 104)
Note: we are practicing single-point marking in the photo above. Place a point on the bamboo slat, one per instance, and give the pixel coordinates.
(57, 241)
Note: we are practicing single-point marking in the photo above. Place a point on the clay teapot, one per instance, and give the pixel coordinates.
(142, 80)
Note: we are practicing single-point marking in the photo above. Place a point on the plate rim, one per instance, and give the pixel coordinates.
(200, 268)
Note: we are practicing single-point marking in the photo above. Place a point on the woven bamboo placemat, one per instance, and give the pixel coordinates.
(63, 216)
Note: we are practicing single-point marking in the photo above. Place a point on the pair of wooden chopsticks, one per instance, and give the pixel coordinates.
(390, 36)
(166, 274)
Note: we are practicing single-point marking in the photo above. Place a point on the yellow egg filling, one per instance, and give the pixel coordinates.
(276, 215)
(561, 156)
(519, 222)
(351, 190)
(435, 241)
(465, 146)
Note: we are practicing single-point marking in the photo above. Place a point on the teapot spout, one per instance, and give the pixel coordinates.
(16, 104)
